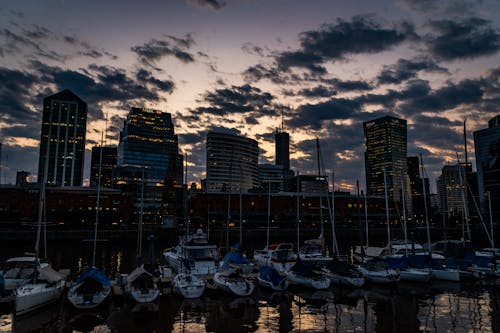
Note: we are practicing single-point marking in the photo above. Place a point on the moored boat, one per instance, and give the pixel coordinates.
(188, 285)
(307, 275)
(343, 273)
(141, 287)
(231, 281)
(270, 278)
(91, 289)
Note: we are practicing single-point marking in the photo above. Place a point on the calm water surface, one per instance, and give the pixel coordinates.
(437, 307)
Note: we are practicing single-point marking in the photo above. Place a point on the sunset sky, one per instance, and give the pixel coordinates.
(237, 65)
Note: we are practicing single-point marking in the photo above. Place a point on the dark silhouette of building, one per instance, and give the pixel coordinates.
(109, 156)
(64, 124)
(22, 178)
(487, 148)
(148, 157)
(282, 149)
(386, 148)
(416, 189)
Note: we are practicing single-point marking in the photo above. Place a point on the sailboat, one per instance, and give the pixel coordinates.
(400, 263)
(92, 286)
(341, 272)
(302, 273)
(376, 270)
(45, 285)
(140, 285)
(185, 283)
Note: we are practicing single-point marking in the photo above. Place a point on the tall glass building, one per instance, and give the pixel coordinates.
(64, 124)
(232, 163)
(487, 147)
(386, 147)
(148, 156)
(108, 163)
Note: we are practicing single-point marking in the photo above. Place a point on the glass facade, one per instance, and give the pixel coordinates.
(148, 146)
(386, 147)
(232, 163)
(64, 124)
(487, 148)
(109, 155)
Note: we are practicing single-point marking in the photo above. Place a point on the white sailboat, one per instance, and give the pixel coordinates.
(301, 273)
(185, 283)
(45, 284)
(140, 285)
(92, 287)
(231, 281)
(376, 270)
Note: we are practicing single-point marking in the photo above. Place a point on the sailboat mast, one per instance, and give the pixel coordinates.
(320, 191)
(424, 190)
(139, 240)
(335, 248)
(241, 210)
(404, 213)
(98, 199)
(268, 211)
(359, 214)
(41, 202)
(387, 213)
(491, 225)
(298, 215)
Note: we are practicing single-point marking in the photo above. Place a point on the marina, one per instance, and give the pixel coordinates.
(437, 306)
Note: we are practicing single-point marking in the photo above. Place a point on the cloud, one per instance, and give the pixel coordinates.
(209, 4)
(147, 77)
(253, 49)
(462, 39)
(408, 69)
(333, 42)
(155, 49)
(312, 116)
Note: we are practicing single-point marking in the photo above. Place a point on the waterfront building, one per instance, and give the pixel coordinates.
(109, 157)
(148, 157)
(282, 149)
(232, 163)
(386, 147)
(64, 124)
(451, 189)
(416, 189)
(270, 174)
(487, 149)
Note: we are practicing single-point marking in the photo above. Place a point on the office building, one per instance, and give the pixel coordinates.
(271, 175)
(386, 148)
(148, 157)
(282, 149)
(451, 189)
(64, 123)
(109, 156)
(487, 148)
(416, 189)
(232, 163)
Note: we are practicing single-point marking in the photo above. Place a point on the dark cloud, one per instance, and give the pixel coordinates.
(155, 49)
(237, 99)
(348, 85)
(210, 4)
(333, 42)
(312, 116)
(462, 39)
(16, 44)
(147, 77)
(317, 92)
(405, 69)
(260, 72)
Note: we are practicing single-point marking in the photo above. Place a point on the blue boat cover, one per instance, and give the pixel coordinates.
(234, 258)
(2, 284)
(397, 263)
(93, 273)
(480, 261)
(270, 274)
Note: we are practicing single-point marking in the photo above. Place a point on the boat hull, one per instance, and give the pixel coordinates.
(33, 296)
(188, 286)
(316, 282)
(239, 286)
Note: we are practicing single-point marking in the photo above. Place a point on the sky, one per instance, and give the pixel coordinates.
(321, 68)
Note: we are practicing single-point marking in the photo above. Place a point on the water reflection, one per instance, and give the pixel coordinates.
(436, 307)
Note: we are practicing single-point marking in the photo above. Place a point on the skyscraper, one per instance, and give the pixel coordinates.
(450, 186)
(282, 149)
(386, 147)
(232, 163)
(487, 147)
(148, 155)
(64, 124)
(109, 156)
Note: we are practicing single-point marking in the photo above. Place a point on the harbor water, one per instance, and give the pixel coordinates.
(406, 307)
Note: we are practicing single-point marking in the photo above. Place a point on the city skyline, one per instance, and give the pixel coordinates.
(321, 68)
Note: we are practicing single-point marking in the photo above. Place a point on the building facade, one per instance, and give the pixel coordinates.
(487, 148)
(451, 189)
(148, 163)
(282, 149)
(62, 142)
(386, 148)
(232, 163)
(109, 156)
